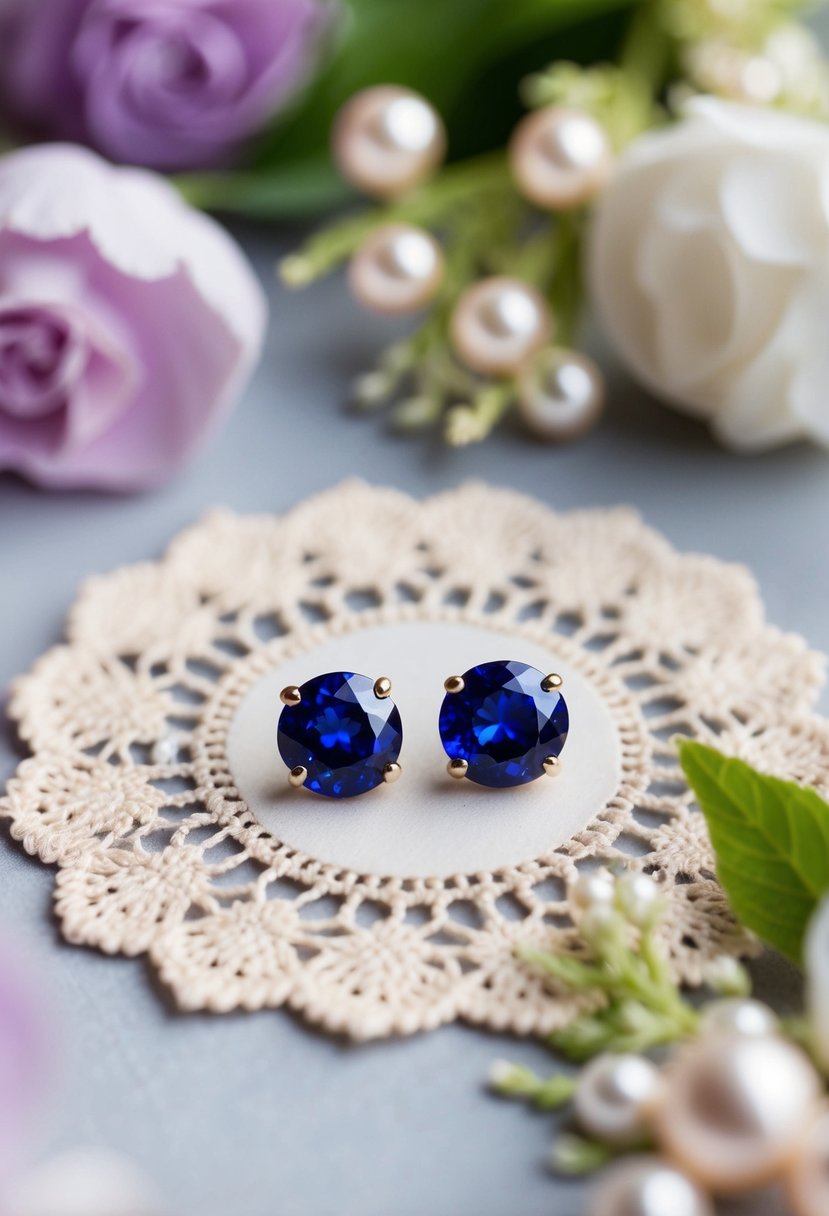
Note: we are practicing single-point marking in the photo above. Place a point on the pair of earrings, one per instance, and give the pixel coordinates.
(501, 724)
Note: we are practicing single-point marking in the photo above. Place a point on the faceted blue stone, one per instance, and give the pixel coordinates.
(342, 733)
(503, 724)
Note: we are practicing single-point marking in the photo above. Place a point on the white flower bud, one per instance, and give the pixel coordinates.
(592, 888)
(598, 922)
(372, 389)
(726, 976)
(501, 1073)
(165, 750)
(637, 898)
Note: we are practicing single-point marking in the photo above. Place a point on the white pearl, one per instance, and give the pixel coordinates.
(738, 1016)
(561, 395)
(735, 1107)
(397, 269)
(165, 750)
(598, 922)
(807, 1181)
(646, 1186)
(387, 140)
(726, 976)
(498, 324)
(636, 897)
(615, 1097)
(560, 157)
(592, 887)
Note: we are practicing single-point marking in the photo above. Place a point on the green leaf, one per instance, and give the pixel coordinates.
(771, 840)
(450, 52)
(302, 188)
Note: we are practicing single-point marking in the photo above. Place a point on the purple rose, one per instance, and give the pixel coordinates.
(169, 83)
(128, 321)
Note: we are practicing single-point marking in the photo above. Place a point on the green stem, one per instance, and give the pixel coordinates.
(567, 291)
(644, 65)
(469, 180)
(645, 54)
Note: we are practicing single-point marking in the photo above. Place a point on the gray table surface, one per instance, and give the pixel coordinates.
(254, 1114)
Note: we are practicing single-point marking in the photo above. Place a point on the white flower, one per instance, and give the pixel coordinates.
(710, 266)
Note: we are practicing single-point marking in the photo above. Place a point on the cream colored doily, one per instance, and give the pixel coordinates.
(156, 788)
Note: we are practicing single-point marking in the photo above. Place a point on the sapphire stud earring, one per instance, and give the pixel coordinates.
(503, 724)
(340, 734)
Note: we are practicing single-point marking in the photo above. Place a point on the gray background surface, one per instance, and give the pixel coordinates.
(256, 1115)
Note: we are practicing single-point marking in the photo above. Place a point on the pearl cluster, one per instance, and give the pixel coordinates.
(387, 142)
(735, 1109)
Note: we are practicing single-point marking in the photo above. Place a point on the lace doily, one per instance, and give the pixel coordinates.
(156, 788)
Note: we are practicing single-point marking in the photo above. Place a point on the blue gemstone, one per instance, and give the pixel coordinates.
(342, 733)
(503, 724)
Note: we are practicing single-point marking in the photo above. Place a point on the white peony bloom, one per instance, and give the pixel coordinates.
(709, 263)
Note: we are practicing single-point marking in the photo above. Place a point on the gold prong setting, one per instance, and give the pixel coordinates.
(503, 723)
(340, 734)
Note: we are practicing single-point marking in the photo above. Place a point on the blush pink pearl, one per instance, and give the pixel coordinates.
(498, 324)
(735, 1109)
(615, 1097)
(561, 397)
(808, 1178)
(396, 270)
(560, 158)
(387, 140)
(646, 1186)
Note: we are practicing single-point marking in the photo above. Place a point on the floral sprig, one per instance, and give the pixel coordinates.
(618, 921)
(494, 248)
(628, 974)
(729, 1053)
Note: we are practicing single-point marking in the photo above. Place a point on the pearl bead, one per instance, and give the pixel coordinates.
(735, 1107)
(397, 269)
(165, 750)
(646, 1186)
(560, 158)
(735, 1016)
(636, 898)
(387, 140)
(598, 922)
(498, 324)
(591, 888)
(561, 395)
(808, 1178)
(615, 1097)
(726, 976)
